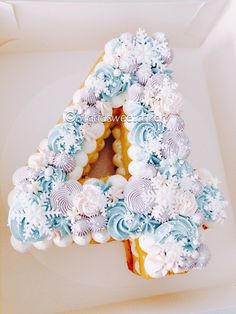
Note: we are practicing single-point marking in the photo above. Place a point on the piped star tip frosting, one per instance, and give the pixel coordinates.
(156, 203)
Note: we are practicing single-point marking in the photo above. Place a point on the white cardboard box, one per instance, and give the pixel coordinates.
(46, 50)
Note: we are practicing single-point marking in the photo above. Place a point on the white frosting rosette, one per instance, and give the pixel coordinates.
(90, 201)
(165, 258)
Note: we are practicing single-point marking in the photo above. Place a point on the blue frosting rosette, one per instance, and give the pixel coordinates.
(112, 82)
(142, 130)
(47, 183)
(177, 169)
(28, 217)
(122, 223)
(60, 224)
(209, 195)
(147, 224)
(180, 228)
(65, 138)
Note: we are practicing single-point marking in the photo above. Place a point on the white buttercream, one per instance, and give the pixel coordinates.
(110, 45)
(76, 97)
(37, 161)
(98, 129)
(43, 146)
(90, 201)
(89, 146)
(12, 197)
(186, 204)
(118, 101)
(142, 169)
(117, 181)
(101, 236)
(93, 131)
(146, 241)
(20, 246)
(82, 240)
(62, 242)
(117, 189)
(153, 266)
(76, 173)
(105, 107)
(81, 159)
(42, 245)
(16, 177)
(136, 153)
(166, 257)
(198, 218)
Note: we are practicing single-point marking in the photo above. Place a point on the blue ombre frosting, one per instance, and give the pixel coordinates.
(141, 131)
(147, 223)
(25, 228)
(60, 224)
(20, 222)
(122, 222)
(177, 169)
(203, 200)
(17, 230)
(47, 183)
(180, 228)
(65, 138)
(114, 84)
